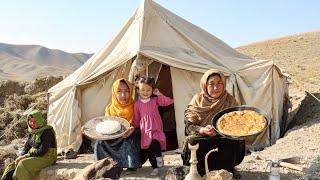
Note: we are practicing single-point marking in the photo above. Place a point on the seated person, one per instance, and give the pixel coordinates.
(39, 152)
(198, 116)
(126, 150)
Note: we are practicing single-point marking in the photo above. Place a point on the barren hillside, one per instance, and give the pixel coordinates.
(28, 62)
(299, 55)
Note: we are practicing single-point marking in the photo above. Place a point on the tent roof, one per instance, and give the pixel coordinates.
(155, 32)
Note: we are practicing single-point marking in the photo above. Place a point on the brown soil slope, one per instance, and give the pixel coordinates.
(298, 55)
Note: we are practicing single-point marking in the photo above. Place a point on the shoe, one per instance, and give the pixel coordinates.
(130, 171)
(154, 172)
(160, 162)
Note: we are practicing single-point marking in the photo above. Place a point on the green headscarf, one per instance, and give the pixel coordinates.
(36, 133)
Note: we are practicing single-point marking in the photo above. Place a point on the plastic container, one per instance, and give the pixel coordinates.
(274, 171)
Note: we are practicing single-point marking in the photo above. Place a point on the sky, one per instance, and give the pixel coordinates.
(87, 25)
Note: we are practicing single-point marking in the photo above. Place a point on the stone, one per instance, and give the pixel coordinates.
(177, 173)
(66, 168)
(256, 156)
(8, 161)
(218, 175)
(104, 168)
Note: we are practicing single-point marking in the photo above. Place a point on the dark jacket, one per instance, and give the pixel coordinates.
(47, 141)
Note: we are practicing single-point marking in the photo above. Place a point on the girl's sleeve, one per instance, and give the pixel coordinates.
(164, 101)
(137, 117)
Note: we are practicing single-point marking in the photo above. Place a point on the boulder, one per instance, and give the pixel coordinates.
(218, 175)
(104, 168)
(177, 173)
(66, 168)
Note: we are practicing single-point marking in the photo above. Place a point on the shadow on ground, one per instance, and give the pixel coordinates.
(308, 111)
(144, 172)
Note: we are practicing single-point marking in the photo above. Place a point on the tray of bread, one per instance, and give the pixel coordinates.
(105, 127)
(240, 121)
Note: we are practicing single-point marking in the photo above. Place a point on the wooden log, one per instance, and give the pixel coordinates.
(291, 166)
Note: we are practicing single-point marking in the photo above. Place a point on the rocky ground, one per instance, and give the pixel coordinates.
(298, 55)
(301, 142)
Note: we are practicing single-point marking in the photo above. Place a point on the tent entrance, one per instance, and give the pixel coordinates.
(164, 83)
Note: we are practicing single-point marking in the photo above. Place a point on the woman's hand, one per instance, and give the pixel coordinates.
(129, 131)
(157, 92)
(20, 158)
(208, 131)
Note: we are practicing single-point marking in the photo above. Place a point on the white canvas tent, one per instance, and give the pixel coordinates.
(154, 38)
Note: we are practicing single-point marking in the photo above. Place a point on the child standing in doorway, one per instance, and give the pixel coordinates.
(147, 117)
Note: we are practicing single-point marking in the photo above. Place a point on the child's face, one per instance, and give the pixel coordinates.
(145, 91)
(123, 93)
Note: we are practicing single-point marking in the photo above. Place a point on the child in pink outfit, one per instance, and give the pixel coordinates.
(147, 117)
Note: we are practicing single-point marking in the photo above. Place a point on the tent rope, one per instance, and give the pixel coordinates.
(303, 88)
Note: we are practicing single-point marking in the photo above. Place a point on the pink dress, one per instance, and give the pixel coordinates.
(147, 117)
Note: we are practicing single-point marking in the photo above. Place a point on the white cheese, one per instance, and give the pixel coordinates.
(108, 127)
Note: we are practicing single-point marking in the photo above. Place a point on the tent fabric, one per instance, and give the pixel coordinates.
(154, 34)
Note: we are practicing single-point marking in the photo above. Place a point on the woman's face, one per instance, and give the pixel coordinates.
(215, 86)
(145, 91)
(123, 93)
(33, 123)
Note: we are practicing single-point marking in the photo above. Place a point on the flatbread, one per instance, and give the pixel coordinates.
(108, 127)
(89, 128)
(241, 123)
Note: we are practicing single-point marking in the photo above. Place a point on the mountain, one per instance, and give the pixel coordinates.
(28, 62)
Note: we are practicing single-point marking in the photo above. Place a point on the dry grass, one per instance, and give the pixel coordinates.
(299, 55)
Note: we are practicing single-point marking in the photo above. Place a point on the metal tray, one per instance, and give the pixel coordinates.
(240, 108)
